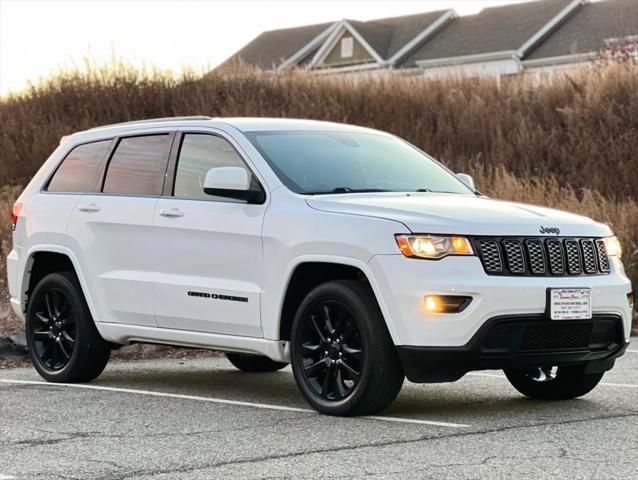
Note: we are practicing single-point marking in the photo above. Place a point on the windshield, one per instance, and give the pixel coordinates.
(337, 162)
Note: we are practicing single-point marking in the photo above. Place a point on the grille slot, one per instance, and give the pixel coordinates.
(556, 258)
(491, 256)
(514, 256)
(542, 256)
(572, 252)
(589, 257)
(536, 256)
(603, 261)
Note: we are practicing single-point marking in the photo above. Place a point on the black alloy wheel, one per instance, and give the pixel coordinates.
(54, 329)
(332, 351)
(342, 356)
(62, 338)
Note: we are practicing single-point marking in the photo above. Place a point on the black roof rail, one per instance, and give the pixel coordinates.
(155, 120)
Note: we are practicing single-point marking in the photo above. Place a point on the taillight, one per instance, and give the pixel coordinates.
(15, 213)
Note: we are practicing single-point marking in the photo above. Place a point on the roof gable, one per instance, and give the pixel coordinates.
(345, 50)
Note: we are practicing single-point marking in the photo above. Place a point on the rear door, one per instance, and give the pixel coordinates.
(78, 173)
(112, 229)
(209, 252)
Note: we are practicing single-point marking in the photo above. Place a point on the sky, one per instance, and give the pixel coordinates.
(39, 37)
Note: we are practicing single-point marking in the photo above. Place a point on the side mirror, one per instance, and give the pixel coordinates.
(467, 180)
(231, 182)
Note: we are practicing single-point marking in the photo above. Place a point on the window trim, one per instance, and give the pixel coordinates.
(107, 153)
(148, 133)
(171, 171)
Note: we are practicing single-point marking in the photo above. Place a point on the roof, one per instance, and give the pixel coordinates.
(495, 29)
(587, 30)
(388, 35)
(273, 47)
(254, 124)
(534, 30)
(244, 124)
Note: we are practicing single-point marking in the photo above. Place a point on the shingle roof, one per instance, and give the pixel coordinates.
(494, 29)
(587, 30)
(271, 48)
(388, 35)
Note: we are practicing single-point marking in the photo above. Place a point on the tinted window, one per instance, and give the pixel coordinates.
(80, 169)
(198, 154)
(138, 166)
(339, 162)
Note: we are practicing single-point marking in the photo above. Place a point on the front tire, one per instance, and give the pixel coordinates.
(557, 383)
(343, 358)
(254, 363)
(63, 342)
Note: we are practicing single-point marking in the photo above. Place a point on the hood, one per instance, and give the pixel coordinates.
(459, 214)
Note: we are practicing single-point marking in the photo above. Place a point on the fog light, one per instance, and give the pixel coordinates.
(446, 303)
(630, 299)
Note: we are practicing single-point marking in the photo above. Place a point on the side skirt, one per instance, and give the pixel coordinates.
(123, 334)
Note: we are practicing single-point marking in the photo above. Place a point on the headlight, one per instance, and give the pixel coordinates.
(612, 245)
(433, 246)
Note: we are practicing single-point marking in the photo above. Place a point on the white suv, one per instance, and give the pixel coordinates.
(345, 251)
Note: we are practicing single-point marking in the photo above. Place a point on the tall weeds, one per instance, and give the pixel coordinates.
(570, 144)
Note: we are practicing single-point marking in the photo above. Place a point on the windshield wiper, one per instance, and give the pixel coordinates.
(347, 190)
(427, 190)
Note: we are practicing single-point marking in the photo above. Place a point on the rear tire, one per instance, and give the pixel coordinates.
(63, 342)
(254, 363)
(562, 383)
(343, 358)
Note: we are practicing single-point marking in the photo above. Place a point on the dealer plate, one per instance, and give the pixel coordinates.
(569, 303)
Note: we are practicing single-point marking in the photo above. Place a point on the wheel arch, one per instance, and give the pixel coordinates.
(62, 259)
(321, 269)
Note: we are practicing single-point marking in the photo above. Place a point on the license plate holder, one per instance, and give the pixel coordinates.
(569, 303)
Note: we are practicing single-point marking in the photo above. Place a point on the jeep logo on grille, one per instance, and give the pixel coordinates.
(548, 230)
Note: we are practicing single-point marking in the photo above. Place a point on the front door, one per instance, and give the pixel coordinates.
(208, 249)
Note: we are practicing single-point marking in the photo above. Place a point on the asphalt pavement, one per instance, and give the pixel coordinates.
(201, 418)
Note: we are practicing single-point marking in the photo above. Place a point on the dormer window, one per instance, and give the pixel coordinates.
(347, 47)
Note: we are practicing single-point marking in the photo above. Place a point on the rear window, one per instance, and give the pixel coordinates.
(80, 169)
(138, 165)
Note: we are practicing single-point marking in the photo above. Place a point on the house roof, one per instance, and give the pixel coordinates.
(388, 35)
(587, 30)
(273, 47)
(494, 29)
(534, 30)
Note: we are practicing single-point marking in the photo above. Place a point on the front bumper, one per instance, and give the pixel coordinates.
(402, 283)
(520, 342)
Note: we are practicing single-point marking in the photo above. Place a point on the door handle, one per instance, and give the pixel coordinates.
(171, 213)
(89, 208)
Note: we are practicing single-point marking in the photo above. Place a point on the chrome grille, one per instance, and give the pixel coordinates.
(491, 256)
(542, 256)
(603, 260)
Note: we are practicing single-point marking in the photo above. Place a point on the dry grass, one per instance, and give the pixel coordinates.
(581, 130)
(569, 145)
